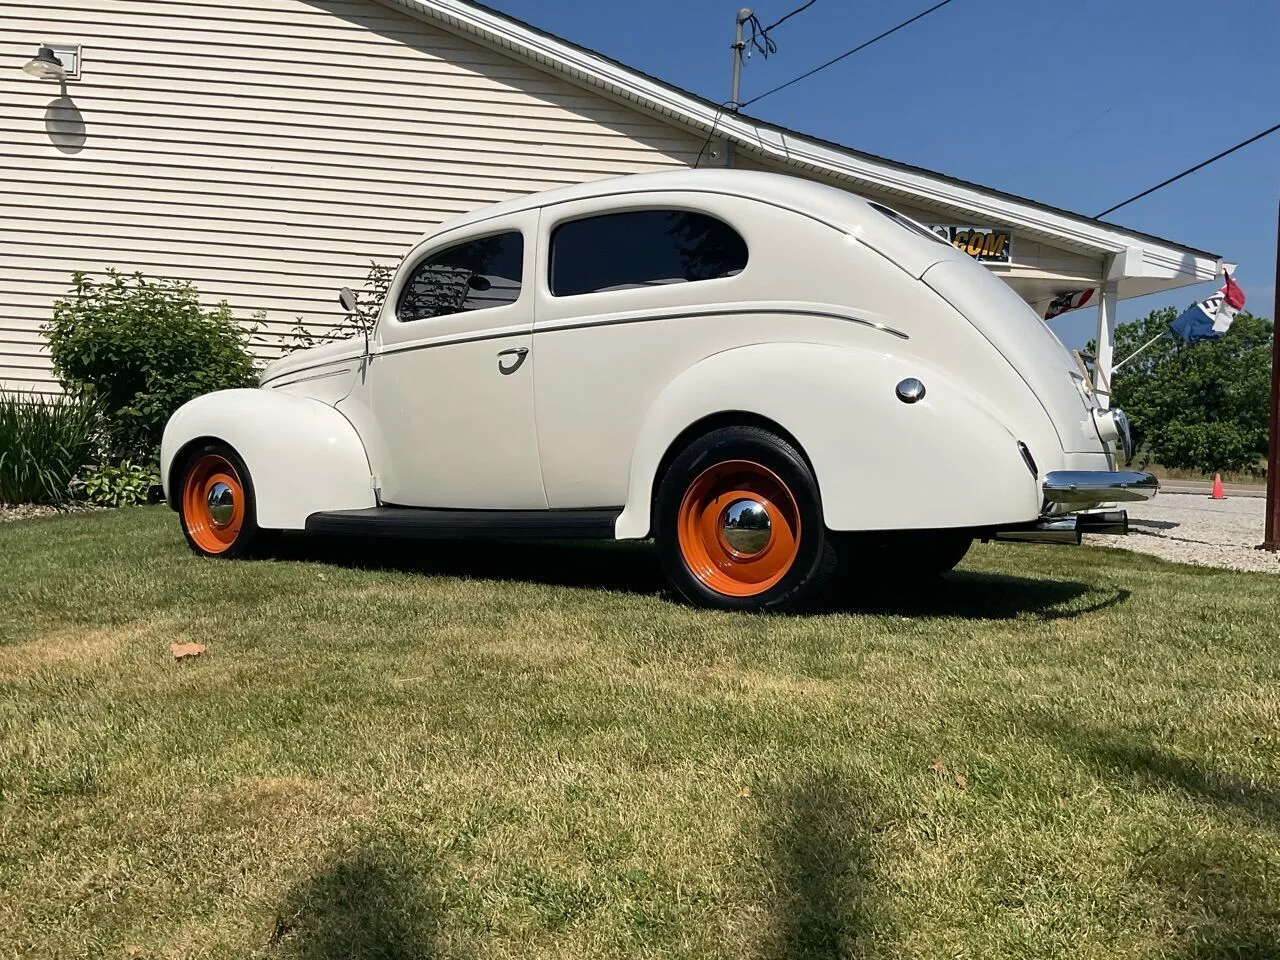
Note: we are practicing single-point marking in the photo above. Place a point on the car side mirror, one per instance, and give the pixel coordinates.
(347, 299)
(477, 282)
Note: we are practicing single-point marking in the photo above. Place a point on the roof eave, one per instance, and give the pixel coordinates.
(1154, 257)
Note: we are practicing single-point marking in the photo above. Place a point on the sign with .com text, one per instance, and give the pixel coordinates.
(986, 244)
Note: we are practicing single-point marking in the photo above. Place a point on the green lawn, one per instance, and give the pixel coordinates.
(528, 752)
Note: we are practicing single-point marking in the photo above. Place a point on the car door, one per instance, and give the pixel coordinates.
(449, 388)
(631, 291)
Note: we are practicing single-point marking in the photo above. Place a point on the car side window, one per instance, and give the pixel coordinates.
(475, 275)
(642, 248)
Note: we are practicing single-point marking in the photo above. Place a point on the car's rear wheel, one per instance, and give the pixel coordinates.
(216, 504)
(738, 522)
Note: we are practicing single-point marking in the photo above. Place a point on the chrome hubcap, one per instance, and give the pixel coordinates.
(222, 504)
(745, 527)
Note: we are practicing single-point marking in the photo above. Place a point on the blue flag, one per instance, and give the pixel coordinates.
(1210, 319)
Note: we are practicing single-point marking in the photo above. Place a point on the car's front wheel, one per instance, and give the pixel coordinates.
(216, 504)
(738, 523)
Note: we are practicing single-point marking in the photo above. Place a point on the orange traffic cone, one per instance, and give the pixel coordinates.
(1217, 488)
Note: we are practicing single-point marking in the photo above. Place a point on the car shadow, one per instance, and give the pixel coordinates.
(633, 567)
(1146, 526)
(628, 567)
(979, 596)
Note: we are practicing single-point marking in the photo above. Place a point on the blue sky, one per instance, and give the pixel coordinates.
(1077, 103)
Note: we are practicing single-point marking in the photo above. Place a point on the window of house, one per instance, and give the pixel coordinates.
(475, 275)
(642, 248)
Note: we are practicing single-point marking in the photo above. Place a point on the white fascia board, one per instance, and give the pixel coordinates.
(1163, 260)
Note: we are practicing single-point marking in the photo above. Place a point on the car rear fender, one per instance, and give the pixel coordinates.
(947, 460)
(303, 455)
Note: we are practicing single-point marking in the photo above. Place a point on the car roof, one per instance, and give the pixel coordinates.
(914, 251)
(791, 192)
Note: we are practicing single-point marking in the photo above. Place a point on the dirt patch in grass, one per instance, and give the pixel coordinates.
(82, 648)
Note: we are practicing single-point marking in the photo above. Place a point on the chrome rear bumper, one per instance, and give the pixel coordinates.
(1081, 489)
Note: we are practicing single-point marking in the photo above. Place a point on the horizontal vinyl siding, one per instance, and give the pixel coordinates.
(269, 152)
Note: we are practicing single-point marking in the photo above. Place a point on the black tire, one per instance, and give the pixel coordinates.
(799, 580)
(239, 539)
(939, 551)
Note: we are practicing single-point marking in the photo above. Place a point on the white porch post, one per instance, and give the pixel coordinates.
(1105, 356)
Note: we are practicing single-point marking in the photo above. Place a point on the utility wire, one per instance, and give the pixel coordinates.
(760, 38)
(711, 135)
(847, 53)
(800, 9)
(1186, 173)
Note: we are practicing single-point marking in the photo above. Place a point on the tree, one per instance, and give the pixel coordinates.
(1200, 406)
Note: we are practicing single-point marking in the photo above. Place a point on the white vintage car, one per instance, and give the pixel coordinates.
(762, 374)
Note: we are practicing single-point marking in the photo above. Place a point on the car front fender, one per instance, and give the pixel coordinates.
(303, 455)
(946, 460)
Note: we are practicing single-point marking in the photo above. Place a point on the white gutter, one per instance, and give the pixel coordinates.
(1147, 256)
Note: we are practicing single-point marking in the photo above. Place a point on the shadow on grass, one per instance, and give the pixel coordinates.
(1210, 888)
(826, 899)
(981, 596)
(629, 567)
(365, 904)
(632, 567)
(1144, 765)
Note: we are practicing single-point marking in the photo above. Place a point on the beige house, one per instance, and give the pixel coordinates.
(268, 152)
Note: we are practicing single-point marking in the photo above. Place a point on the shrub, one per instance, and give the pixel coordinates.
(369, 301)
(123, 485)
(44, 443)
(139, 349)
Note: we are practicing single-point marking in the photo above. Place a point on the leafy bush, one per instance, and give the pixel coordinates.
(139, 349)
(44, 443)
(1197, 406)
(122, 485)
(369, 301)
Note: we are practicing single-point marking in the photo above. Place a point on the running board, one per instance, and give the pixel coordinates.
(427, 523)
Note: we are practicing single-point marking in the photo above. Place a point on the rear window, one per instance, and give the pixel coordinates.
(642, 248)
(908, 223)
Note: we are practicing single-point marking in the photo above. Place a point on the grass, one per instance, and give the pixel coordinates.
(527, 752)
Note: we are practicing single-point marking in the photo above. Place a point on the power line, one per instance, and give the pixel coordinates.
(710, 135)
(1186, 173)
(847, 53)
(800, 9)
(760, 38)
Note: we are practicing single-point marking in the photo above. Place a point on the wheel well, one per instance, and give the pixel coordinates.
(717, 421)
(180, 460)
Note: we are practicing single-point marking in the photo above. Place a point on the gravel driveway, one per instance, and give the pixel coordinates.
(1191, 528)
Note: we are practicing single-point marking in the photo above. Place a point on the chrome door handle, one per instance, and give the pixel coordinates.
(519, 353)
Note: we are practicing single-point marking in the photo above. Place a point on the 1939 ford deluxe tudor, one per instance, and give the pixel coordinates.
(763, 374)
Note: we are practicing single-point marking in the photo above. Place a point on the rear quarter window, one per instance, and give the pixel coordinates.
(642, 248)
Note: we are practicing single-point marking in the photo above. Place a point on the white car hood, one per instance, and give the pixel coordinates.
(349, 348)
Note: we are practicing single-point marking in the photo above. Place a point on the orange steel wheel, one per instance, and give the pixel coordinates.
(739, 528)
(213, 503)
